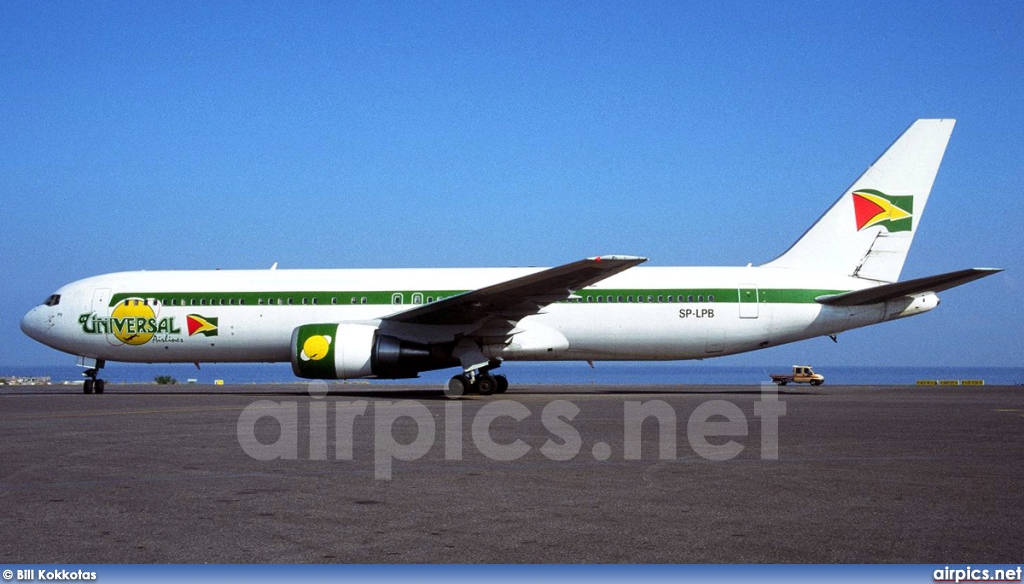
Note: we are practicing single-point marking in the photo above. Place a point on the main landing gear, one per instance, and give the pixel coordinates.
(92, 384)
(477, 381)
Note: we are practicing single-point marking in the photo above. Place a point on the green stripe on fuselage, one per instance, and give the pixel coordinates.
(406, 297)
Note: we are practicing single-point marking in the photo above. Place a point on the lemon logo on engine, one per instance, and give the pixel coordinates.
(316, 347)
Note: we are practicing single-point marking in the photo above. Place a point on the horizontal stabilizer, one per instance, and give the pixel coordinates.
(888, 292)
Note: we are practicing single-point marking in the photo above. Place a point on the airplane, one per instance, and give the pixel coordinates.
(841, 274)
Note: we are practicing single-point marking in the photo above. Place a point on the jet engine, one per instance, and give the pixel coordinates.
(352, 351)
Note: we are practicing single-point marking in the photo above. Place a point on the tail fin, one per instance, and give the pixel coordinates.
(868, 231)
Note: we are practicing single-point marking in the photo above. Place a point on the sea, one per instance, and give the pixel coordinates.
(608, 373)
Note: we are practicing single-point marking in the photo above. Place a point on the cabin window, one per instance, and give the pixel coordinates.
(291, 301)
(353, 300)
(700, 298)
(430, 299)
(362, 300)
(314, 300)
(396, 298)
(689, 298)
(661, 298)
(334, 300)
(711, 298)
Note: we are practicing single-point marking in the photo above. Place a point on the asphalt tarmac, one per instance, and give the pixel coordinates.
(194, 474)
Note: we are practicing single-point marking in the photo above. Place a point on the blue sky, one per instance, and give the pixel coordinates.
(236, 135)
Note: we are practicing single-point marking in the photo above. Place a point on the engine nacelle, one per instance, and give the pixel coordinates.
(352, 351)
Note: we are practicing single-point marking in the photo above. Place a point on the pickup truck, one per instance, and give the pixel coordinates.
(801, 374)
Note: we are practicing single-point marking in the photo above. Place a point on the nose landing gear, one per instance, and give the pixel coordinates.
(92, 384)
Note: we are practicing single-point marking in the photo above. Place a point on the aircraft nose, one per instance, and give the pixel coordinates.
(35, 323)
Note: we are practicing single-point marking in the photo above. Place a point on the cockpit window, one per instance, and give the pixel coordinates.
(53, 300)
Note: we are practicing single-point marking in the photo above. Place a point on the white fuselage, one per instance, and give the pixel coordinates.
(646, 313)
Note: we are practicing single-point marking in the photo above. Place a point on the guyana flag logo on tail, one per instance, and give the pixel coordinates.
(873, 207)
(201, 325)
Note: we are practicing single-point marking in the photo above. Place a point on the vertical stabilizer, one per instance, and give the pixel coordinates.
(868, 231)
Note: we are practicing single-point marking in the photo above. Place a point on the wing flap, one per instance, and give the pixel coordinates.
(520, 296)
(887, 292)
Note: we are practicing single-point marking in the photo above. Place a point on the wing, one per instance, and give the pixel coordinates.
(517, 298)
(888, 292)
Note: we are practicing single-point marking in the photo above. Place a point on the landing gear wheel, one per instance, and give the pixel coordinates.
(88, 386)
(486, 384)
(502, 383)
(99, 385)
(458, 386)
